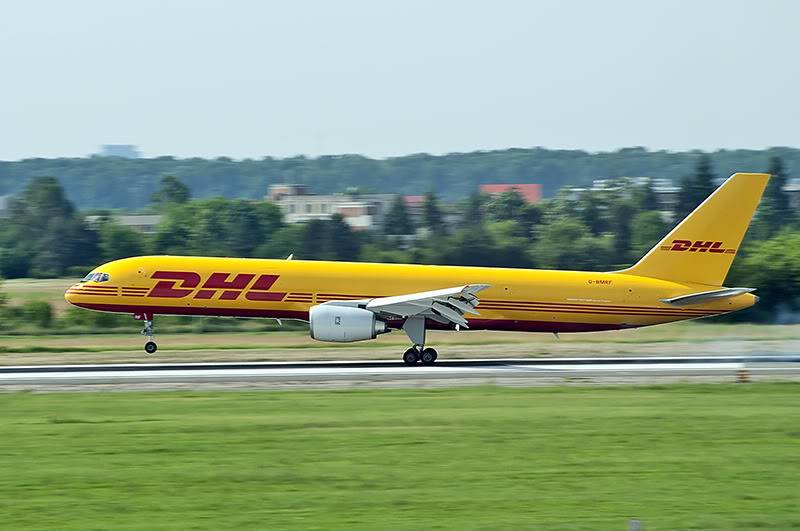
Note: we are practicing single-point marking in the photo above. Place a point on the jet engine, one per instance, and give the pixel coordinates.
(343, 324)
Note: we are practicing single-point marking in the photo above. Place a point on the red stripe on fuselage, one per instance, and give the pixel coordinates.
(512, 325)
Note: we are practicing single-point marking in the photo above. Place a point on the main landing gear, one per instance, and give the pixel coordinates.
(414, 327)
(150, 347)
(416, 354)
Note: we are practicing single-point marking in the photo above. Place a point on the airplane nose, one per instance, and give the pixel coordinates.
(69, 295)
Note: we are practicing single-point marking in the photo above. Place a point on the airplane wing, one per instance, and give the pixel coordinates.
(445, 305)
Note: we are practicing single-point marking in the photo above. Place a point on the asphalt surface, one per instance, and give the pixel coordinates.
(521, 371)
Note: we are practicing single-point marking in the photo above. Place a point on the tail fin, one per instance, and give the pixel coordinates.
(702, 247)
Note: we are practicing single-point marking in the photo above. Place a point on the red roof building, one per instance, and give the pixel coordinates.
(414, 200)
(531, 193)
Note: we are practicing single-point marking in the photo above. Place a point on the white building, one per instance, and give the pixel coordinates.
(5, 203)
(144, 223)
(360, 211)
(126, 151)
(666, 192)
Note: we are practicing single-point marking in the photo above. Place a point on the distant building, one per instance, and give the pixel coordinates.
(360, 211)
(666, 192)
(143, 223)
(666, 195)
(5, 203)
(531, 193)
(415, 204)
(279, 191)
(792, 188)
(126, 151)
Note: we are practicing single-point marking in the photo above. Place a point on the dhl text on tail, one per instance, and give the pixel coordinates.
(680, 278)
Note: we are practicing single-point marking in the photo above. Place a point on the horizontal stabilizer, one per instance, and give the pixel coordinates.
(706, 296)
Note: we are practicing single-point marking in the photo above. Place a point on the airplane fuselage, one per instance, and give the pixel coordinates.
(517, 299)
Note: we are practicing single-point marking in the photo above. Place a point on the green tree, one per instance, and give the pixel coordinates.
(531, 217)
(44, 235)
(219, 227)
(507, 206)
(645, 198)
(773, 266)
(341, 243)
(511, 206)
(171, 191)
(492, 244)
(98, 182)
(37, 313)
(3, 297)
(509, 249)
(330, 239)
(474, 210)
(467, 247)
(621, 213)
(174, 234)
(647, 229)
(243, 227)
(695, 188)
(433, 218)
(312, 244)
(397, 219)
(566, 243)
(283, 242)
(589, 210)
(15, 262)
(775, 211)
(118, 241)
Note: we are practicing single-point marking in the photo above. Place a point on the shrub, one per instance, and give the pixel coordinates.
(37, 313)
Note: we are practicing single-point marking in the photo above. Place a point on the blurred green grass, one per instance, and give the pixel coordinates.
(678, 457)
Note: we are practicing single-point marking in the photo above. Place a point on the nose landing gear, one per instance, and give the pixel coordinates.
(150, 346)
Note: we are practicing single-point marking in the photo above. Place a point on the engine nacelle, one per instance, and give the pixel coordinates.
(343, 324)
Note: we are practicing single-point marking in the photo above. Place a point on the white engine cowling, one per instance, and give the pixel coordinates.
(343, 324)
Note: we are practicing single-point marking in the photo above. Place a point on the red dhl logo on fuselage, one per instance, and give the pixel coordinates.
(179, 284)
(697, 246)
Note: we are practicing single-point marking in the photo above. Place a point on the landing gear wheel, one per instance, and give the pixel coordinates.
(411, 356)
(428, 356)
(150, 347)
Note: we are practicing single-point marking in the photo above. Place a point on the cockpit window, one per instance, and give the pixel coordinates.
(96, 277)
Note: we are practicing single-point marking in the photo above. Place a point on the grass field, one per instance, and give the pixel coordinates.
(665, 340)
(678, 457)
(50, 290)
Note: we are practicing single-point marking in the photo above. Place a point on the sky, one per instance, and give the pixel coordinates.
(248, 79)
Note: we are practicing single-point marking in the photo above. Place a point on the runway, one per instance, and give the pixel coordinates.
(511, 371)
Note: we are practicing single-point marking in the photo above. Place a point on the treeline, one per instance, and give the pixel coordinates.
(101, 182)
(600, 230)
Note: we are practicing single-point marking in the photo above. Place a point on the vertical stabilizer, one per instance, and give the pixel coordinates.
(702, 247)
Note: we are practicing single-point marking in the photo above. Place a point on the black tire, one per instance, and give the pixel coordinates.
(150, 347)
(411, 356)
(428, 356)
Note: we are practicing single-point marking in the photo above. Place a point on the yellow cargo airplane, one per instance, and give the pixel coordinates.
(680, 278)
